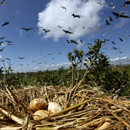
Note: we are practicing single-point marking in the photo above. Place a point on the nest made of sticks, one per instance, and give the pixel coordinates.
(81, 110)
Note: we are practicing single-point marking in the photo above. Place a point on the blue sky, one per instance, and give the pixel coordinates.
(35, 45)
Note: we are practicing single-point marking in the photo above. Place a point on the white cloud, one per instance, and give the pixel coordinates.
(53, 15)
(124, 57)
(117, 58)
(122, 22)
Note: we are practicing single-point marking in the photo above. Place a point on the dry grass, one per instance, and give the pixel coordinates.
(84, 111)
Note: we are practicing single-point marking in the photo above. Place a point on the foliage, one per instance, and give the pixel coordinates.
(101, 73)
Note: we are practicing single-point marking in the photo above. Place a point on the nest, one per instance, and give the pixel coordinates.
(82, 108)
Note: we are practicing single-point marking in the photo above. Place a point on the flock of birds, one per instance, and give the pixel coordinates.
(122, 14)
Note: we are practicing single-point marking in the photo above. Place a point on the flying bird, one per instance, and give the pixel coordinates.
(8, 41)
(27, 29)
(5, 24)
(125, 37)
(103, 33)
(121, 39)
(81, 41)
(100, 3)
(21, 58)
(3, 2)
(120, 15)
(124, 6)
(46, 30)
(76, 15)
(89, 44)
(114, 48)
(98, 27)
(60, 26)
(113, 42)
(111, 19)
(83, 27)
(2, 38)
(68, 41)
(67, 31)
(106, 39)
(127, 2)
(113, 7)
(107, 23)
(63, 7)
(72, 41)
(2, 49)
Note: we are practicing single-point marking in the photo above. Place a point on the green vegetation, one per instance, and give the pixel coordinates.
(97, 72)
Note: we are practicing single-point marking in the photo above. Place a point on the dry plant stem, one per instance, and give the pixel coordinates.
(68, 109)
(46, 94)
(86, 73)
(57, 127)
(76, 114)
(10, 128)
(111, 102)
(12, 95)
(116, 116)
(73, 90)
(104, 126)
(11, 116)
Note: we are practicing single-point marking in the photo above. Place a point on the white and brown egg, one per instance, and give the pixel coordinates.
(42, 109)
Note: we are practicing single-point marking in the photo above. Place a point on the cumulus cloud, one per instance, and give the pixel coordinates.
(54, 15)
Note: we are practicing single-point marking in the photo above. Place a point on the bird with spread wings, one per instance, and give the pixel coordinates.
(26, 29)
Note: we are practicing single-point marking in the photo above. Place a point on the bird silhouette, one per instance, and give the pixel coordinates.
(113, 42)
(68, 41)
(127, 2)
(2, 49)
(63, 7)
(78, 16)
(120, 15)
(3, 2)
(81, 41)
(67, 31)
(60, 26)
(46, 30)
(27, 29)
(121, 39)
(114, 48)
(107, 23)
(2, 38)
(111, 19)
(72, 41)
(21, 58)
(8, 41)
(5, 24)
